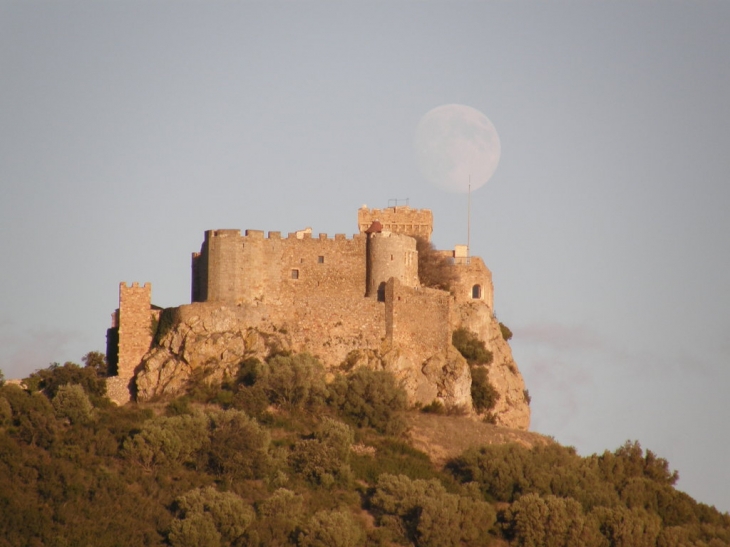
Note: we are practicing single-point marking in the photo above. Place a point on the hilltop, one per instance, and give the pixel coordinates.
(384, 299)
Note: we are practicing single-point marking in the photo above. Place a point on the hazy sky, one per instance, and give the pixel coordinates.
(129, 128)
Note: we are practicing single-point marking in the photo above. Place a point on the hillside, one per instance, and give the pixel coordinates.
(280, 454)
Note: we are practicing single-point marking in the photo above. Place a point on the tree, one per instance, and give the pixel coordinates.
(96, 360)
(48, 380)
(169, 441)
(278, 517)
(429, 516)
(239, 446)
(211, 518)
(434, 269)
(335, 528)
(71, 402)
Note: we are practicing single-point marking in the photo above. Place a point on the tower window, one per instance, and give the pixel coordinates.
(476, 291)
(295, 274)
(320, 260)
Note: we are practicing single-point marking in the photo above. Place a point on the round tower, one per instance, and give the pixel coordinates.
(390, 255)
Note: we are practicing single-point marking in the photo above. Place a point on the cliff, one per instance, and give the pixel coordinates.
(209, 340)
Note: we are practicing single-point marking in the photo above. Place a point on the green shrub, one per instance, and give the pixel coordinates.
(424, 513)
(337, 528)
(545, 522)
(279, 516)
(369, 398)
(323, 459)
(169, 441)
(71, 402)
(506, 332)
(209, 517)
(48, 380)
(239, 446)
(294, 381)
(471, 347)
(484, 396)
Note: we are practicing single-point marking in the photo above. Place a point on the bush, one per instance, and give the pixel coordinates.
(547, 522)
(471, 347)
(434, 269)
(506, 333)
(239, 446)
(279, 516)
(424, 513)
(72, 402)
(293, 382)
(370, 398)
(169, 441)
(209, 517)
(336, 528)
(50, 379)
(323, 459)
(483, 394)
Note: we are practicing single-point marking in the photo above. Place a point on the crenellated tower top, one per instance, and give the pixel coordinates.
(399, 219)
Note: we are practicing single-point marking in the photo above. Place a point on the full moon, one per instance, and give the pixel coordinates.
(455, 143)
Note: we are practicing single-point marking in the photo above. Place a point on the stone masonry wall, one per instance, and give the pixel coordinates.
(135, 319)
(401, 220)
(472, 271)
(417, 319)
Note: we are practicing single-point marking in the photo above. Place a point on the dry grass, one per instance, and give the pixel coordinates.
(445, 437)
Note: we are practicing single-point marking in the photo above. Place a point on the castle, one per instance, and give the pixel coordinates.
(332, 297)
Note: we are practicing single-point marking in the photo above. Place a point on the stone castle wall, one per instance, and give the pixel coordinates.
(251, 268)
(400, 220)
(332, 297)
(418, 319)
(472, 272)
(134, 321)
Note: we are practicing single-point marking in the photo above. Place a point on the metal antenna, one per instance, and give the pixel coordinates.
(468, 222)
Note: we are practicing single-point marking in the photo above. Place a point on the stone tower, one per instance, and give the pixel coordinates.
(134, 321)
(398, 219)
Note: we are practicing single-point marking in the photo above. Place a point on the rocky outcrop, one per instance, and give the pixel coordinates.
(206, 340)
(512, 409)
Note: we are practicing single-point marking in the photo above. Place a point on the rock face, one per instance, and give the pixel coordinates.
(210, 340)
(512, 409)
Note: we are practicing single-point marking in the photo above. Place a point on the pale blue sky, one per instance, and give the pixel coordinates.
(129, 128)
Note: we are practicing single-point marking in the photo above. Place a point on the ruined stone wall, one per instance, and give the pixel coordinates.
(417, 319)
(401, 220)
(134, 322)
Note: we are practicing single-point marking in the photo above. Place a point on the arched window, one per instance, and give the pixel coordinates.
(476, 291)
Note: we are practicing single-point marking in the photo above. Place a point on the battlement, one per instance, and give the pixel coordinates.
(398, 219)
(134, 285)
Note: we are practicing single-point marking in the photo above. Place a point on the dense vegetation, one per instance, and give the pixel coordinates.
(278, 456)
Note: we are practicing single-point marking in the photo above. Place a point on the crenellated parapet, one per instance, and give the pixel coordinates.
(398, 219)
